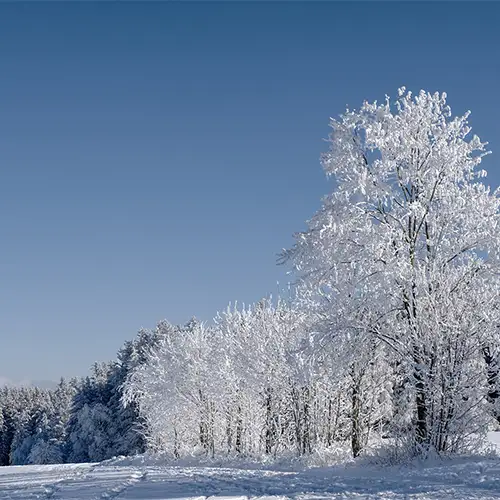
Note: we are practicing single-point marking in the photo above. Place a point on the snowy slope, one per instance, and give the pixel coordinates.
(142, 479)
(465, 479)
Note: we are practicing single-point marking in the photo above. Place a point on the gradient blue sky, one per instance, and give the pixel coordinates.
(156, 157)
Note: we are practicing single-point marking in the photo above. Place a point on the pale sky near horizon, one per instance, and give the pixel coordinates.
(155, 157)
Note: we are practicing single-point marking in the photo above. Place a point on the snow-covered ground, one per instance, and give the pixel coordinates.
(139, 480)
(468, 479)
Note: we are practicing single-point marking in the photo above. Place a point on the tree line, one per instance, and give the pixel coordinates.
(391, 337)
(388, 337)
(81, 420)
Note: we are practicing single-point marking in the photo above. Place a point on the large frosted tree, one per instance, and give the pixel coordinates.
(404, 252)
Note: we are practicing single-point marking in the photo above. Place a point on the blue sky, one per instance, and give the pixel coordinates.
(155, 157)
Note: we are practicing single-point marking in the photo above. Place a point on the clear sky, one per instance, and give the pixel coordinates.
(155, 157)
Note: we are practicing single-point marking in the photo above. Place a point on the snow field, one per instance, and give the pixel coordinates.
(458, 479)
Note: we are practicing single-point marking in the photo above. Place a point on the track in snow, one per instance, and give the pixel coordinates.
(458, 480)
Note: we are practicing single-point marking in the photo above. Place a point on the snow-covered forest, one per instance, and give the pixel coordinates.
(82, 420)
(386, 338)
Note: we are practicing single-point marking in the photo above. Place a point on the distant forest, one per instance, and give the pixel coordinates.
(81, 420)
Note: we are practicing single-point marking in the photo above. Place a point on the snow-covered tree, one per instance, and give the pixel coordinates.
(170, 388)
(266, 366)
(79, 420)
(249, 384)
(29, 418)
(404, 252)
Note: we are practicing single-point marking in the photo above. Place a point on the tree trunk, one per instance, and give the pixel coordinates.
(493, 372)
(239, 431)
(176, 444)
(204, 438)
(269, 421)
(329, 423)
(229, 432)
(421, 430)
(355, 418)
(306, 431)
